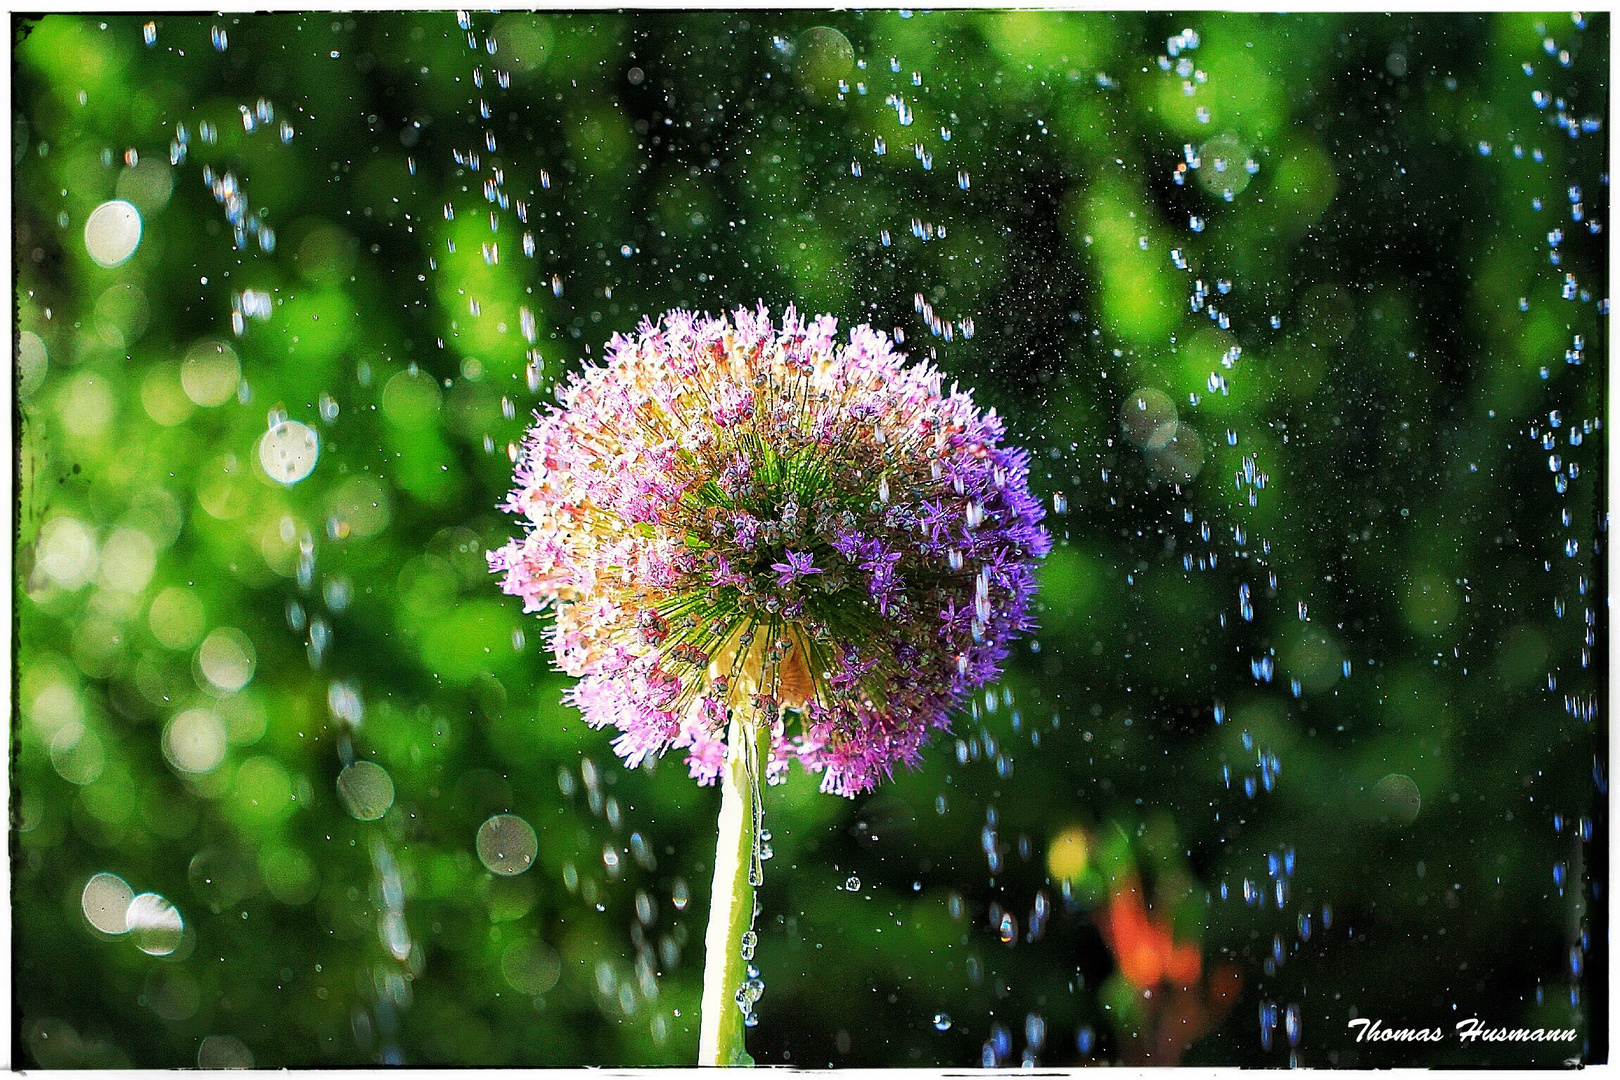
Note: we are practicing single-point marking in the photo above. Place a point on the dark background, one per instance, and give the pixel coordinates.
(1405, 467)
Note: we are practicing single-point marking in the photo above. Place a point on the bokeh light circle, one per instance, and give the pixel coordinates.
(824, 57)
(366, 789)
(105, 902)
(194, 741)
(65, 552)
(33, 361)
(226, 660)
(155, 924)
(77, 754)
(112, 232)
(530, 967)
(128, 560)
(224, 1052)
(507, 845)
(288, 451)
(1224, 164)
(1149, 419)
(1398, 798)
(177, 618)
(210, 373)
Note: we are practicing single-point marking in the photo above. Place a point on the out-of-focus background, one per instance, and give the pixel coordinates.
(1304, 319)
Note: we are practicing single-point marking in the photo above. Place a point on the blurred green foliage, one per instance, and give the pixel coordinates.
(1322, 661)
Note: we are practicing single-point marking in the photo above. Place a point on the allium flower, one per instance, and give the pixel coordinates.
(727, 515)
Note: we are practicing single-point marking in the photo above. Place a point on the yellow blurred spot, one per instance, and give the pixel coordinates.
(1149, 419)
(1397, 799)
(289, 874)
(54, 706)
(326, 253)
(366, 790)
(1304, 182)
(219, 489)
(1048, 41)
(1068, 857)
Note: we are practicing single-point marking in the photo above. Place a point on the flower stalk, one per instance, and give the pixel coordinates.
(731, 898)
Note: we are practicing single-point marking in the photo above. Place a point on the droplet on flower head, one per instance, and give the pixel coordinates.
(726, 514)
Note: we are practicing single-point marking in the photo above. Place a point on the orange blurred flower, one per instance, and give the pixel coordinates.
(1178, 1007)
(1144, 946)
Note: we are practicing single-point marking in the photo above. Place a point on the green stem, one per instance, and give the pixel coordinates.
(731, 899)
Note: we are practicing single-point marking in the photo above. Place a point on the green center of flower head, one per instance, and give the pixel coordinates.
(728, 515)
(772, 588)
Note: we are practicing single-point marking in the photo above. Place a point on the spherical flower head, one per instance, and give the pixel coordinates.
(725, 514)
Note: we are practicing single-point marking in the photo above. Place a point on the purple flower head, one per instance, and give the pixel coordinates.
(798, 565)
(729, 514)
